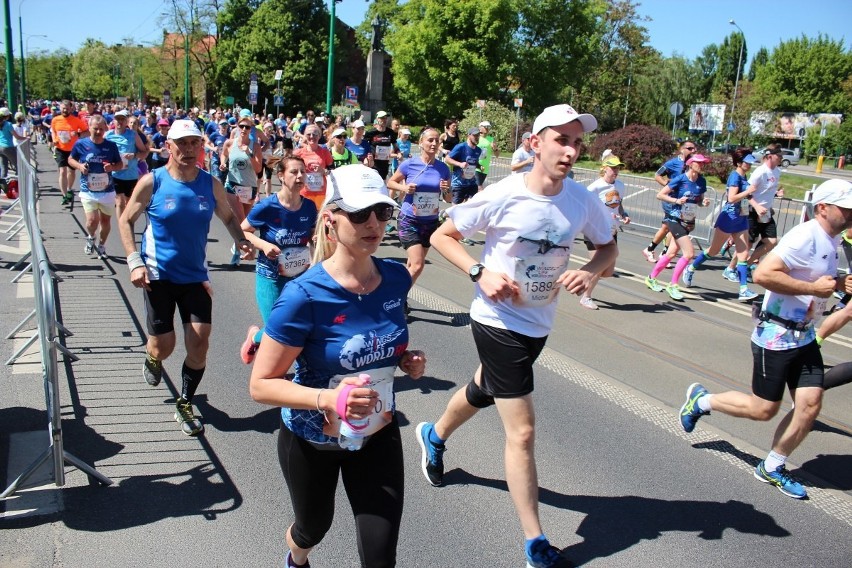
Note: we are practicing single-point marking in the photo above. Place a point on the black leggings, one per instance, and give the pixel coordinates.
(373, 478)
(838, 375)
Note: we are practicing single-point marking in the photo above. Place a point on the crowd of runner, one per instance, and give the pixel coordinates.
(337, 313)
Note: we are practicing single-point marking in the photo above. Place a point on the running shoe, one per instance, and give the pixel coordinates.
(781, 479)
(730, 275)
(649, 255)
(290, 563)
(432, 458)
(687, 276)
(102, 252)
(235, 256)
(588, 303)
(542, 554)
(747, 295)
(189, 424)
(249, 347)
(68, 197)
(90, 246)
(674, 292)
(466, 241)
(152, 372)
(653, 284)
(690, 412)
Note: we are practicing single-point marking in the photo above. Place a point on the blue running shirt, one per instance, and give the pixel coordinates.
(290, 230)
(340, 335)
(174, 244)
(86, 151)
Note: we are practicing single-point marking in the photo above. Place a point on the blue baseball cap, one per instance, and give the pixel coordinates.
(750, 159)
(245, 113)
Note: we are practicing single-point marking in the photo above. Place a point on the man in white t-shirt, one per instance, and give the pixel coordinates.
(764, 182)
(523, 157)
(529, 222)
(799, 276)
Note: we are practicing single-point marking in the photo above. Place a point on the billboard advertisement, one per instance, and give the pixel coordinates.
(705, 117)
(789, 125)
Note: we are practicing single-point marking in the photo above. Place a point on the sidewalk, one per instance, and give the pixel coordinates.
(111, 418)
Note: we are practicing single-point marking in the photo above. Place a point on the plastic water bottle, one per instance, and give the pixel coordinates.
(351, 432)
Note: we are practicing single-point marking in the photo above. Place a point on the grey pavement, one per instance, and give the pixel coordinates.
(621, 484)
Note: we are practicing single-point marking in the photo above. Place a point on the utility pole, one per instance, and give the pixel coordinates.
(10, 54)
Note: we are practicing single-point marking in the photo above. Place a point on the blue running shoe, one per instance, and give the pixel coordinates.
(747, 295)
(432, 459)
(689, 412)
(541, 554)
(781, 479)
(730, 275)
(687, 276)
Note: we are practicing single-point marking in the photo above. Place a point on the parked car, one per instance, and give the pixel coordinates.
(788, 157)
(724, 148)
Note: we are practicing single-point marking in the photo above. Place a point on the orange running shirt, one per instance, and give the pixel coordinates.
(66, 131)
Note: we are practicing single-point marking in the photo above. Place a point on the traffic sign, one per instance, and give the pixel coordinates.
(675, 109)
(278, 75)
(252, 98)
(254, 78)
(519, 103)
(351, 95)
(480, 103)
(279, 100)
(253, 88)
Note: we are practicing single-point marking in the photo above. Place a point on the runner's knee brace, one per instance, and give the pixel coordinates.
(476, 398)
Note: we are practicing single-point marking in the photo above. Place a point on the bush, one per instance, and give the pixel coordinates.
(502, 121)
(720, 167)
(642, 148)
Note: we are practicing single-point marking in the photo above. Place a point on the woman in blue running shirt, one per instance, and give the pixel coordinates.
(280, 227)
(681, 199)
(344, 322)
(731, 222)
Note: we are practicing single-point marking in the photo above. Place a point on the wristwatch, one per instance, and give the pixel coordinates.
(475, 272)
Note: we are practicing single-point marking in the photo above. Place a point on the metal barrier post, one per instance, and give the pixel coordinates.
(43, 286)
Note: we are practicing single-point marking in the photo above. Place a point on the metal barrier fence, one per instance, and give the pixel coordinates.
(47, 333)
(640, 201)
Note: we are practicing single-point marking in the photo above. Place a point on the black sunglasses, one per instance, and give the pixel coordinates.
(341, 137)
(383, 213)
(245, 126)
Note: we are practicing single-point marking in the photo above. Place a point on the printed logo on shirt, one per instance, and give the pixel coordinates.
(360, 350)
(339, 318)
(392, 304)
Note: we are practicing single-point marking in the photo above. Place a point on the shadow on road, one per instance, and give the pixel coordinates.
(613, 524)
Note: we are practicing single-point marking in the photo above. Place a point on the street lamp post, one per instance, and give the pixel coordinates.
(737, 81)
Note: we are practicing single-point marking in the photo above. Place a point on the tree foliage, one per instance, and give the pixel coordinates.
(805, 75)
(448, 54)
(94, 71)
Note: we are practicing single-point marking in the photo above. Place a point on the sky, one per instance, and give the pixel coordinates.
(675, 27)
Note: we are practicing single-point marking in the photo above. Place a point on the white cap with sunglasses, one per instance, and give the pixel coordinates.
(355, 187)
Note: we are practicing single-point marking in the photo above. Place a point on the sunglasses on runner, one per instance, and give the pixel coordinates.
(245, 126)
(383, 213)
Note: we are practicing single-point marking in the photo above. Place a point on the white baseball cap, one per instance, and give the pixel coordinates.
(485, 124)
(834, 192)
(355, 187)
(337, 132)
(358, 124)
(182, 129)
(558, 115)
(381, 114)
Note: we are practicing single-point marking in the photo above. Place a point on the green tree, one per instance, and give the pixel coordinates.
(707, 65)
(94, 71)
(760, 59)
(562, 47)
(728, 57)
(805, 75)
(448, 54)
(49, 75)
(662, 82)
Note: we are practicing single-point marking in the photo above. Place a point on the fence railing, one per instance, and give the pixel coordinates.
(645, 210)
(47, 333)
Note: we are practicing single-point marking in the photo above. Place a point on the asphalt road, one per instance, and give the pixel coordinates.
(621, 484)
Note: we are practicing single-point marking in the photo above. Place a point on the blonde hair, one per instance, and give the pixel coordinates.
(323, 245)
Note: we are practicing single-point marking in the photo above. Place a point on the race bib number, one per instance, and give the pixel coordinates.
(381, 381)
(383, 152)
(314, 181)
(243, 192)
(744, 208)
(425, 204)
(98, 182)
(536, 276)
(469, 171)
(688, 211)
(293, 261)
(64, 136)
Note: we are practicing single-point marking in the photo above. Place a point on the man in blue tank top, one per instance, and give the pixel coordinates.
(132, 150)
(179, 200)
